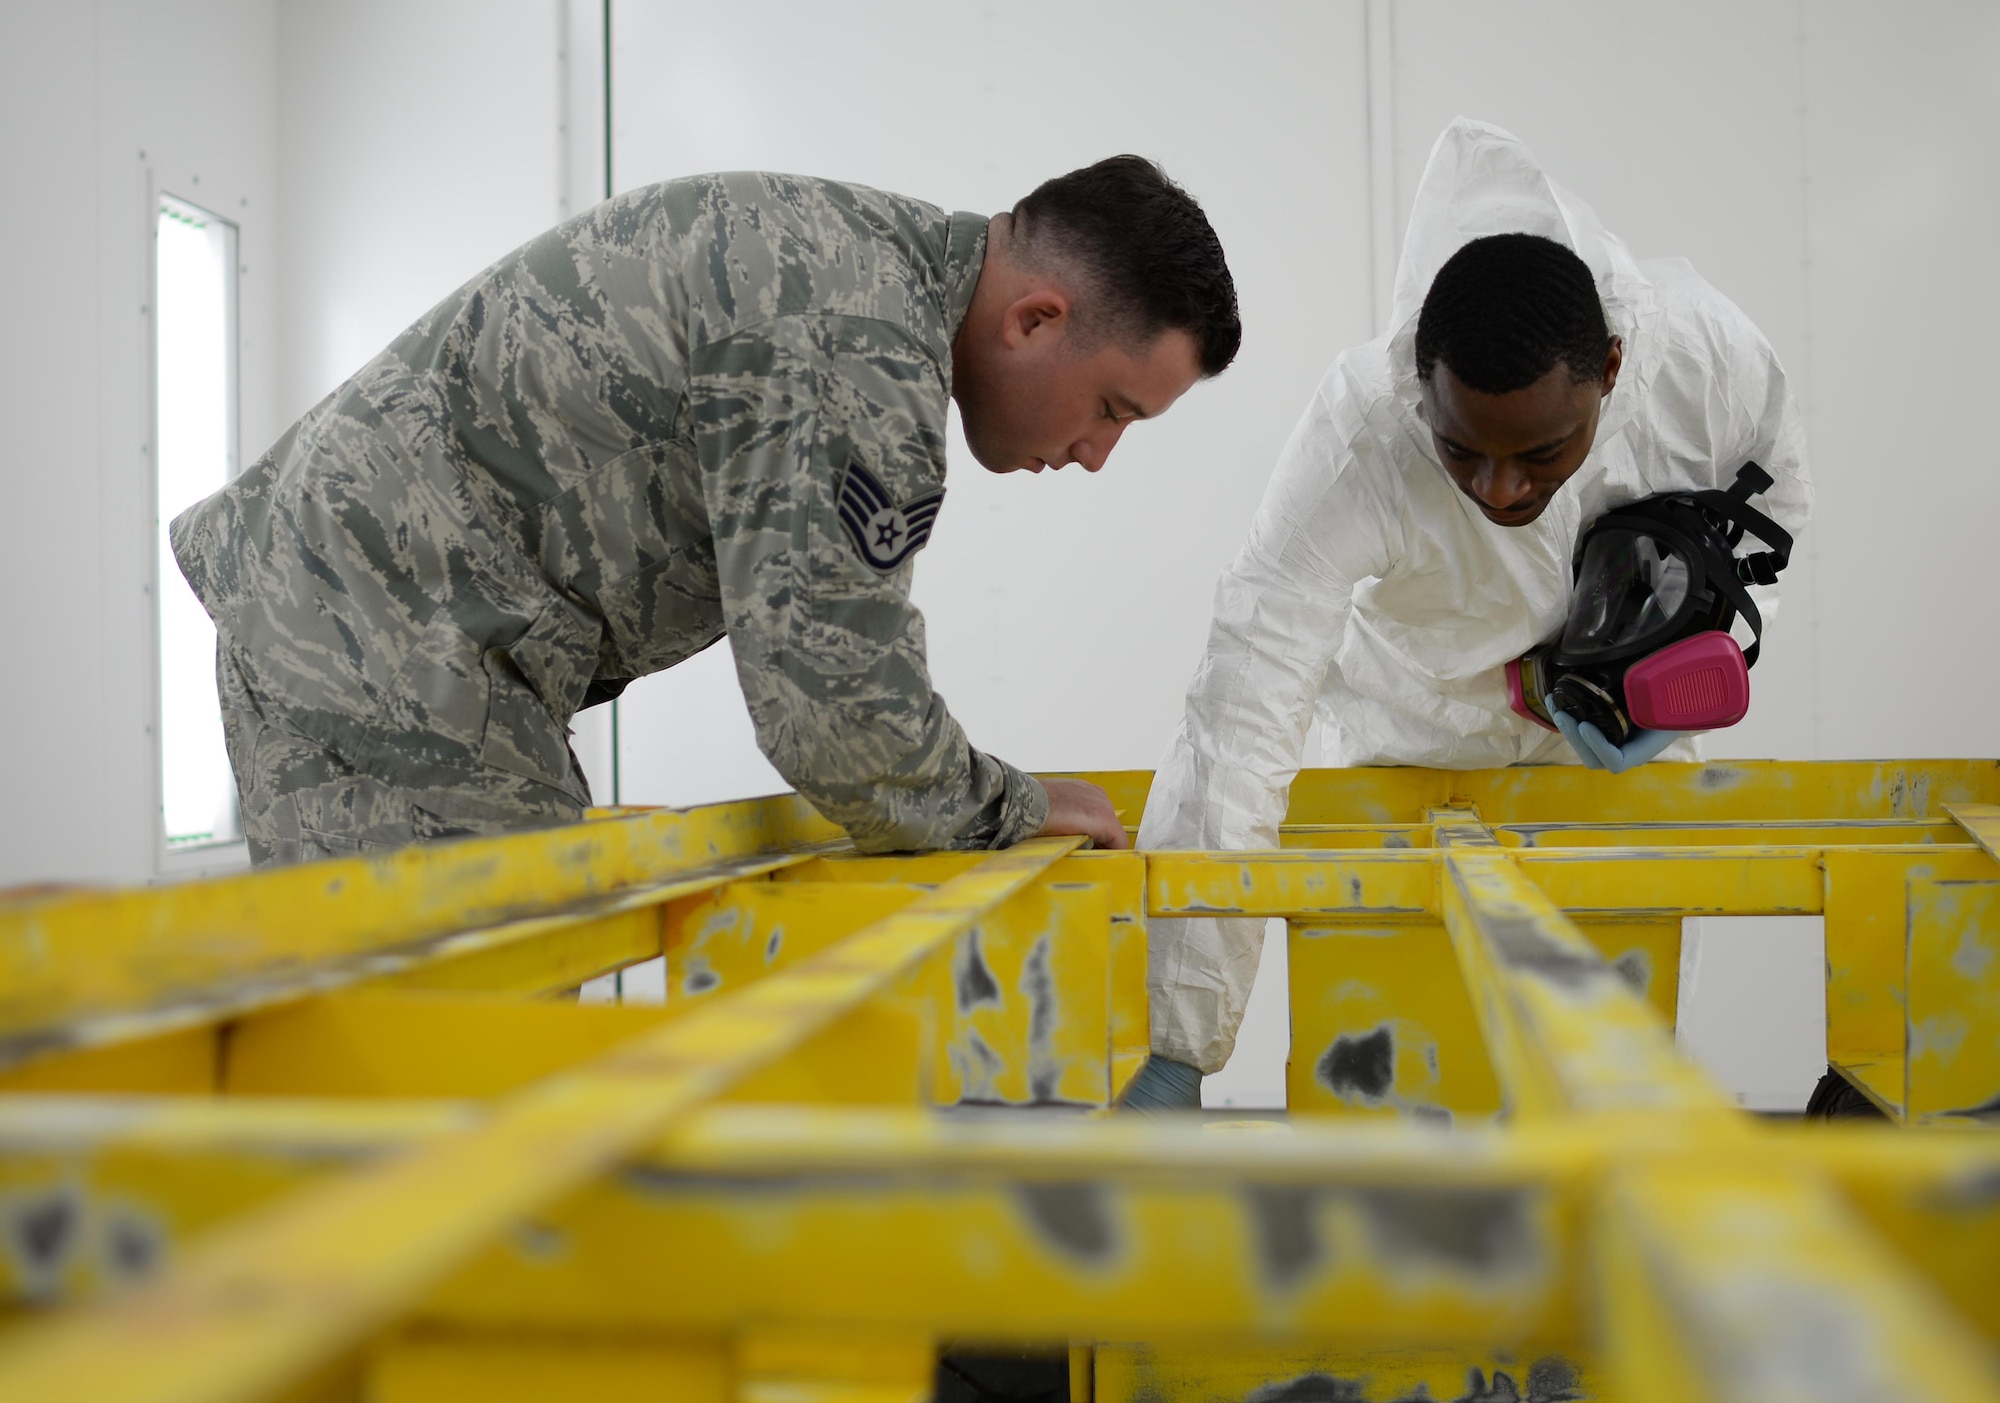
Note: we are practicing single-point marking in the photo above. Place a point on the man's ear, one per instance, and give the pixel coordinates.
(1614, 360)
(1039, 312)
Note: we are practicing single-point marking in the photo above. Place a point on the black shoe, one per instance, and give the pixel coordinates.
(1013, 1376)
(1836, 1098)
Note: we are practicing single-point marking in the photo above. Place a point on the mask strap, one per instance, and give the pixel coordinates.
(1734, 508)
(1733, 589)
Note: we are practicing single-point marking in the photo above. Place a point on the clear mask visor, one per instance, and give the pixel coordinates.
(1630, 588)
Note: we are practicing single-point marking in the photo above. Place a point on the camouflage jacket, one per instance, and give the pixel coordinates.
(715, 404)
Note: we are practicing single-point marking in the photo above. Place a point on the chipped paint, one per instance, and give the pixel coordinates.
(972, 980)
(1523, 944)
(978, 1066)
(1719, 777)
(1315, 1387)
(134, 1243)
(1075, 1218)
(1044, 1008)
(1360, 1067)
(1635, 967)
(1455, 1242)
(1284, 1233)
(43, 1230)
(1480, 1232)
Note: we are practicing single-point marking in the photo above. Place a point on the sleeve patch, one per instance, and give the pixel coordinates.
(884, 532)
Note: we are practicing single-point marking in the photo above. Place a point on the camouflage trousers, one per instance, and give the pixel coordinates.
(301, 802)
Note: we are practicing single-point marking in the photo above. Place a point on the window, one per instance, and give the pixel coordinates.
(194, 368)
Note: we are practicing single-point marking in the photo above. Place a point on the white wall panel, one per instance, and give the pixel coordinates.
(1902, 103)
(102, 103)
(51, 776)
(421, 144)
(1828, 166)
(1680, 125)
(1065, 613)
(423, 140)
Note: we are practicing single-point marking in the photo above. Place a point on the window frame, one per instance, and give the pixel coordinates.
(185, 185)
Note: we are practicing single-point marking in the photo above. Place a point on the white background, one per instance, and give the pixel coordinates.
(1828, 165)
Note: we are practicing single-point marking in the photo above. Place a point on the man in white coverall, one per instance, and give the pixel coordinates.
(1417, 533)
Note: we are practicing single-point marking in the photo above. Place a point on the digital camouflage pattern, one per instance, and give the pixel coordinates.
(622, 440)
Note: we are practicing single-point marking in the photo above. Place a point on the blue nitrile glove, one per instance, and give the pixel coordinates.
(1595, 751)
(1163, 1085)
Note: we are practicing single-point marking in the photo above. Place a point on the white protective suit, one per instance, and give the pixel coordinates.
(1372, 589)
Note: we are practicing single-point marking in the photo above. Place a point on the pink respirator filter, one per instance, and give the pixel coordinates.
(1517, 696)
(1697, 684)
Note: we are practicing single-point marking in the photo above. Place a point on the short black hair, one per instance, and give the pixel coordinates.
(1148, 252)
(1506, 308)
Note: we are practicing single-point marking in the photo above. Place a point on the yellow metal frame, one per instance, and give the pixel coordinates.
(333, 1132)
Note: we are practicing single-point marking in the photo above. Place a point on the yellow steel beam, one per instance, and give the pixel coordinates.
(1167, 1371)
(766, 1364)
(548, 956)
(1080, 1227)
(1565, 1032)
(82, 969)
(1589, 882)
(1753, 1285)
(1783, 833)
(722, 939)
(264, 1302)
(1934, 1197)
(1625, 882)
(98, 1192)
(1374, 886)
(1381, 1026)
(1981, 823)
(447, 1367)
(1732, 791)
(367, 1043)
(1033, 1019)
(1725, 791)
(1048, 1227)
(1645, 953)
(1119, 877)
(1322, 836)
(1952, 1071)
(1459, 826)
(1867, 913)
(172, 1169)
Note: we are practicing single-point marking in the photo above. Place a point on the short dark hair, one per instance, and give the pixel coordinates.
(1506, 308)
(1145, 248)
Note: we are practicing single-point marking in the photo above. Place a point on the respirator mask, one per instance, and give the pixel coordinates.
(1657, 585)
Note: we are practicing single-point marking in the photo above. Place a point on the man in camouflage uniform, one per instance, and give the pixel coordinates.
(711, 405)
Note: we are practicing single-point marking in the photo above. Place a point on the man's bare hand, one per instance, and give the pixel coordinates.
(1078, 806)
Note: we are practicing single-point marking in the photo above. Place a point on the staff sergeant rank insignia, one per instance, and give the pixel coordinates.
(886, 534)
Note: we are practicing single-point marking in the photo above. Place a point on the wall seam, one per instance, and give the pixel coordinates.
(1806, 397)
(1378, 29)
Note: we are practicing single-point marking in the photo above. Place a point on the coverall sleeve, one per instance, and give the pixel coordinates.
(1281, 611)
(794, 420)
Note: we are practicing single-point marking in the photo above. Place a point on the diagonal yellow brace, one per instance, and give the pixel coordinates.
(266, 1301)
(1564, 1031)
(1746, 1285)
(1459, 826)
(80, 969)
(1982, 821)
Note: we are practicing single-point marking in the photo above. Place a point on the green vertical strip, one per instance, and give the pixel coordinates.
(617, 786)
(607, 100)
(617, 979)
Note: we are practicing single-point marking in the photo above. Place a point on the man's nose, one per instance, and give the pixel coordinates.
(1094, 449)
(1501, 485)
